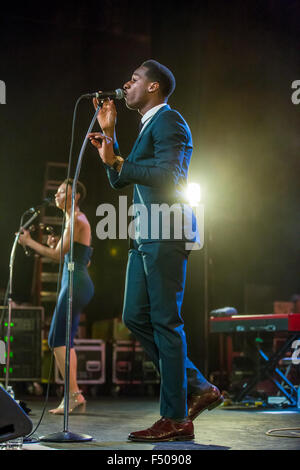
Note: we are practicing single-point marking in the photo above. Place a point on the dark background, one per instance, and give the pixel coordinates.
(234, 63)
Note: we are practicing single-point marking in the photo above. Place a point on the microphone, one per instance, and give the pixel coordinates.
(36, 210)
(118, 94)
(45, 202)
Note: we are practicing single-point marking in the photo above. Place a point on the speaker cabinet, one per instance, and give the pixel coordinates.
(13, 420)
(25, 342)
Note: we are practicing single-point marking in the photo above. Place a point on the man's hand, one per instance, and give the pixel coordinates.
(107, 116)
(104, 145)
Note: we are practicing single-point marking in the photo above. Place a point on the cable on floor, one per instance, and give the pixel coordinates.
(270, 432)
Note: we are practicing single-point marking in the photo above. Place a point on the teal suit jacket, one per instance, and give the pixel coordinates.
(158, 167)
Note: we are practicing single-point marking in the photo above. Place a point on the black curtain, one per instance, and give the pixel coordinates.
(234, 64)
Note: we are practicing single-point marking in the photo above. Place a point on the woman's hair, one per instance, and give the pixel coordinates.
(80, 188)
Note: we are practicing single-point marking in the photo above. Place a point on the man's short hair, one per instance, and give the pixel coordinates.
(161, 74)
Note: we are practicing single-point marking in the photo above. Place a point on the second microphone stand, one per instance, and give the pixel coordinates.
(10, 288)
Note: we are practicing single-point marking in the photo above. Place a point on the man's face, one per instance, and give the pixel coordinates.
(136, 90)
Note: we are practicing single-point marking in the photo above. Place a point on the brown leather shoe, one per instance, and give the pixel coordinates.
(207, 401)
(165, 430)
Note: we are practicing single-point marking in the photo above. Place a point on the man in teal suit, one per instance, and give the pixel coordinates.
(155, 279)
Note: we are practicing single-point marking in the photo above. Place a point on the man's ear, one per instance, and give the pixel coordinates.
(154, 86)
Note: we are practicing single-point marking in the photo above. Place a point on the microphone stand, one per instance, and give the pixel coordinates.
(10, 288)
(66, 435)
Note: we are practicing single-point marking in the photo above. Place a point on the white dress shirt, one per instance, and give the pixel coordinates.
(149, 115)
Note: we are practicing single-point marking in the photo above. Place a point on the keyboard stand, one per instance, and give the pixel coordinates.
(268, 371)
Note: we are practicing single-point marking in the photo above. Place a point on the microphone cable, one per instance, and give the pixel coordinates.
(291, 430)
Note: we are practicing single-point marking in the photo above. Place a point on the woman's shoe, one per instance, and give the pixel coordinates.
(74, 402)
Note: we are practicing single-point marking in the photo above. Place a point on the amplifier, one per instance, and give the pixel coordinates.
(25, 342)
(130, 364)
(90, 362)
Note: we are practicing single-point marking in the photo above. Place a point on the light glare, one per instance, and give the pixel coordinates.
(193, 194)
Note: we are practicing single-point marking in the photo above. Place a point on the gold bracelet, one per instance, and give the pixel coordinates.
(117, 164)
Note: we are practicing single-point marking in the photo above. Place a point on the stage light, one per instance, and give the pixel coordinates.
(113, 252)
(193, 194)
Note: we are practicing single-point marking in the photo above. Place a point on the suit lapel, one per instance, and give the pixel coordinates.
(153, 119)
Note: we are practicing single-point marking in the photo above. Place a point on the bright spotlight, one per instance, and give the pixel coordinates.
(113, 252)
(193, 194)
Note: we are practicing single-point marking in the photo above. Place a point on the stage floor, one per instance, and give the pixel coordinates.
(109, 421)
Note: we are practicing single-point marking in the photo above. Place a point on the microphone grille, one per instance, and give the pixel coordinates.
(119, 94)
(48, 200)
